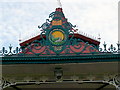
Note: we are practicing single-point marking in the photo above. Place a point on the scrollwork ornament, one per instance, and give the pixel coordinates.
(4, 51)
(116, 80)
(112, 48)
(4, 83)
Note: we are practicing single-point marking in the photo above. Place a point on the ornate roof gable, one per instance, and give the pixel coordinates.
(57, 38)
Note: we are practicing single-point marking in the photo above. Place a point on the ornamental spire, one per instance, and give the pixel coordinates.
(59, 4)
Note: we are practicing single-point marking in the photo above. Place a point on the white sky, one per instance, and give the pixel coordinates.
(21, 19)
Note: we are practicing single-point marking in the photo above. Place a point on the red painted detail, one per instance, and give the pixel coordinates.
(75, 30)
(31, 40)
(59, 9)
(80, 48)
(63, 18)
(84, 38)
(63, 26)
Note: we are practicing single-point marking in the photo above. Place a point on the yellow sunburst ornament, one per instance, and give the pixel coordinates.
(58, 34)
(57, 37)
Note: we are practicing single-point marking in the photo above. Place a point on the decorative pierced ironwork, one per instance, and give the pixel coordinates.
(111, 49)
(115, 81)
(112, 81)
(4, 84)
(76, 44)
(57, 38)
(10, 51)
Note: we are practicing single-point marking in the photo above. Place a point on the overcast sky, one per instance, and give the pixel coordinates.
(19, 19)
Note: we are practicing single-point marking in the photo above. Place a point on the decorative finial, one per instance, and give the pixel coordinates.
(19, 37)
(59, 4)
(99, 38)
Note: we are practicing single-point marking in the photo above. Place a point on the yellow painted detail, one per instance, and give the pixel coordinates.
(57, 22)
(58, 34)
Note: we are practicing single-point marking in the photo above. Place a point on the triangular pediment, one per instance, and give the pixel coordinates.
(58, 37)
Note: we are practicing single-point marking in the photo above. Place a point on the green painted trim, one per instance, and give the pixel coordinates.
(60, 59)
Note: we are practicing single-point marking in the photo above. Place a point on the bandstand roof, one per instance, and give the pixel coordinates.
(58, 43)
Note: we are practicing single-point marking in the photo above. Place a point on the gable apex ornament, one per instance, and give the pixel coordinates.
(58, 38)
